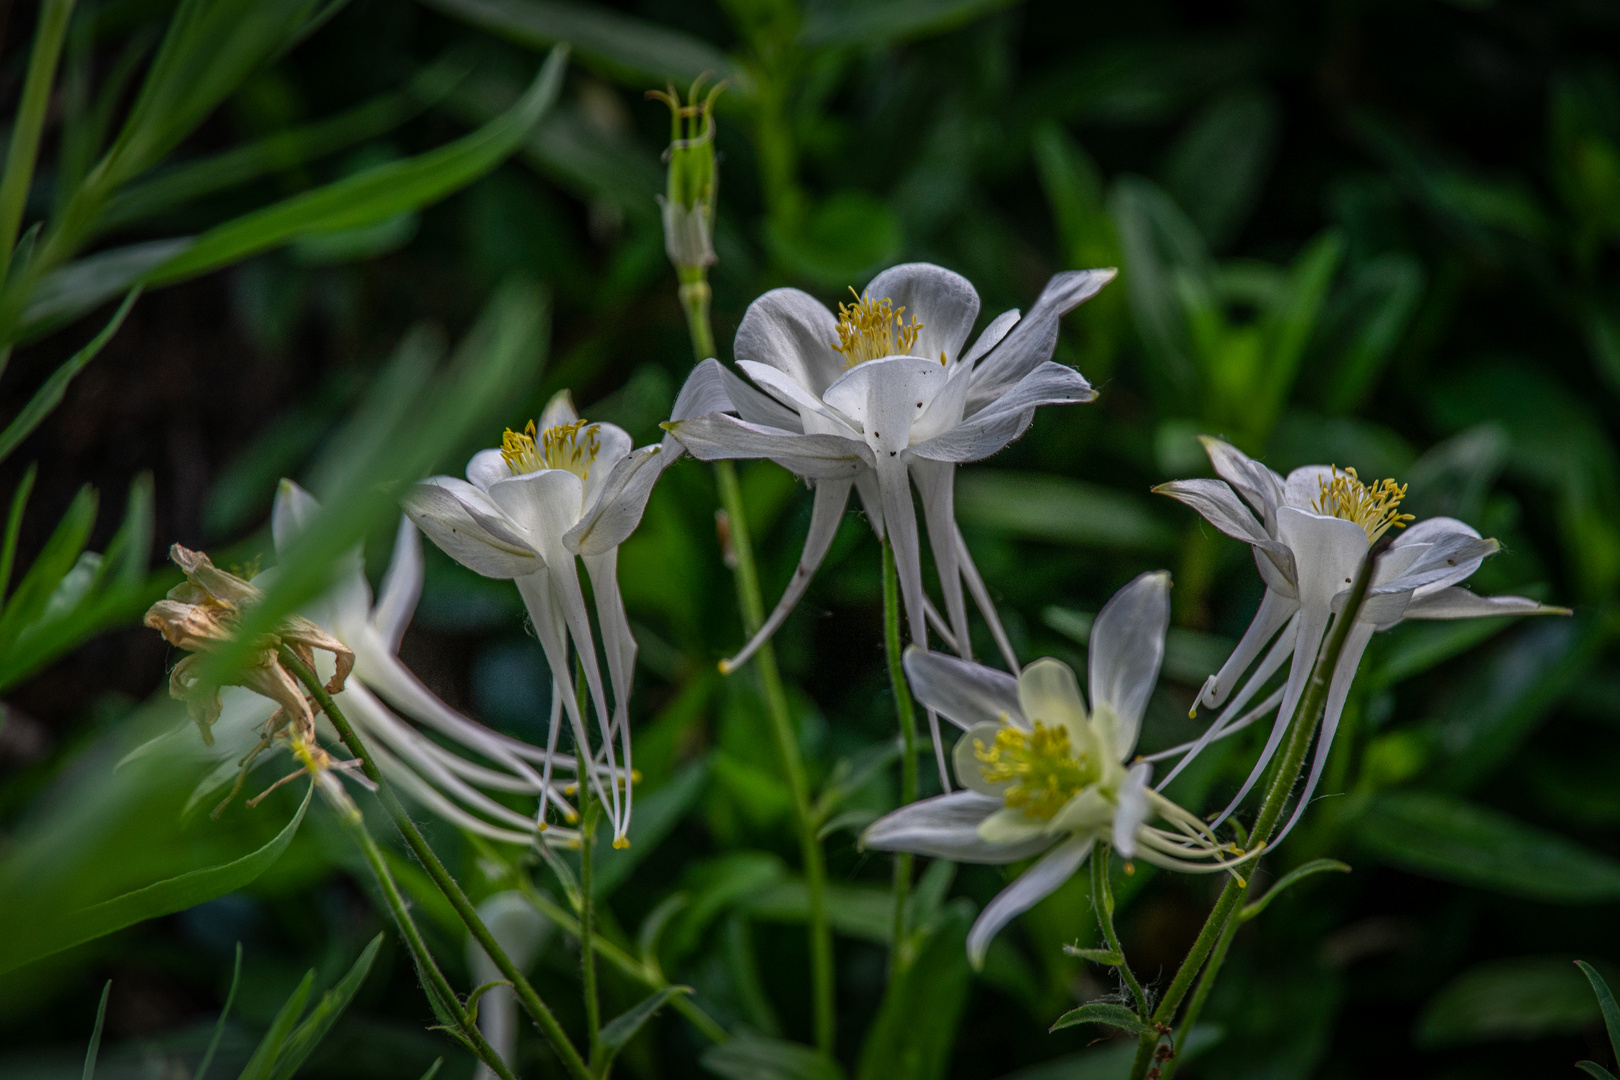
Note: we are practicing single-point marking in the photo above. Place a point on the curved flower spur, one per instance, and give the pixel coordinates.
(560, 489)
(1310, 533)
(885, 394)
(1044, 775)
(378, 692)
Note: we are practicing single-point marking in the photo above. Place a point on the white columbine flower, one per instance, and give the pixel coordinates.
(380, 692)
(1311, 532)
(1041, 773)
(885, 394)
(527, 509)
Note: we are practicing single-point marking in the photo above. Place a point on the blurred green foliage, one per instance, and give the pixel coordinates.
(1371, 234)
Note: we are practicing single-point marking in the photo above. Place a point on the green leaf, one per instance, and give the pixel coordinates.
(1526, 997)
(915, 1029)
(162, 898)
(1605, 997)
(618, 1032)
(1592, 1068)
(845, 238)
(653, 926)
(375, 194)
(1446, 838)
(264, 1057)
(1293, 877)
(633, 50)
(871, 24)
(95, 1034)
(1106, 957)
(1164, 256)
(433, 1069)
(1363, 323)
(70, 291)
(750, 1057)
(19, 503)
(201, 1072)
(302, 1042)
(49, 396)
(1218, 165)
(56, 558)
(1040, 507)
(858, 911)
(1102, 1012)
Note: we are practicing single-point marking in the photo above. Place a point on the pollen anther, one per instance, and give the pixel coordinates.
(572, 446)
(871, 328)
(1375, 506)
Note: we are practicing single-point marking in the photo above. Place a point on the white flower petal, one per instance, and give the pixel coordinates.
(963, 757)
(946, 827)
(785, 390)
(992, 335)
(1032, 886)
(401, 586)
(1260, 487)
(1458, 603)
(616, 509)
(470, 529)
(290, 515)
(613, 446)
(825, 514)
(711, 388)
(1048, 693)
(1133, 808)
(1273, 612)
(886, 397)
(558, 411)
(1127, 648)
(1327, 553)
(944, 302)
(1304, 485)
(981, 598)
(815, 457)
(936, 488)
(967, 693)
(486, 467)
(992, 427)
(545, 504)
(1033, 339)
(1222, 508)
(793, 332)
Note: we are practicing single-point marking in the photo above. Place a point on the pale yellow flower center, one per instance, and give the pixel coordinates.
(1041, 768)
(1375, 506)
(869, 329)
(565, 446)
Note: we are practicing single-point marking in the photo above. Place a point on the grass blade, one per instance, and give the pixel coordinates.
(95, 1034)
(219, 1026)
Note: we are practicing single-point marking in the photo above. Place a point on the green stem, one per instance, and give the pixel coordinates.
(1300, 729)
(439, 985)
(1206, 983)
(776, 708)
(695, 295)
(588, 812)
(629, 965)
(1102, 898)
(536, 1008)
(30, 123)
(908, 747)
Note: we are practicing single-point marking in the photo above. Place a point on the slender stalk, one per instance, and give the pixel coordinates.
(908, 749)
(1195, 1004)
(629, 965)
(1300, 729)
(440, 986)
(531, 1002)
(776, 707)
(30, 123)
(1102, 898)
(588, 813)
(695, 295)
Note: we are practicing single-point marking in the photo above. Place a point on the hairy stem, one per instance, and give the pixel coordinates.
(787, 744)
(907, 715)
(1300, 729)
(1102, 898)
(537, 1009)
(438, 985)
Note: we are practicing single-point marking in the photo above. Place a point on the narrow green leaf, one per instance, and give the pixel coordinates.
(302, 1042)
(433, 1069)
(1293, 877)
(49, 396)
(55, 559)
(1592, 1068)
(634, 50)
(1102, 1012)
(1523, 997)
(162, 898)
(915, 1028)
(70, 291)
(29, 123)
(653, 926)
(1040, 507)
(754, 1058)
(95, 1034)
(618, 1032)
(1442, 837)
(264, 1057)
(19, 502)
(871, 24)
(219, 1025)
(1611, 1011)
(1106, 957)
(376, 193)
(477, 995)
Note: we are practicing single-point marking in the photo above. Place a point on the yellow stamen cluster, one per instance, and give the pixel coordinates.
(869, 329)
(566, 446)
(1375, 506)
(1043, 770)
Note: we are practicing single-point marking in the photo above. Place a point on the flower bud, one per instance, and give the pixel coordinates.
(693, 184)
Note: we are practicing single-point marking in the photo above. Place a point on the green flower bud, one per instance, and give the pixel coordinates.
(693, 179)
